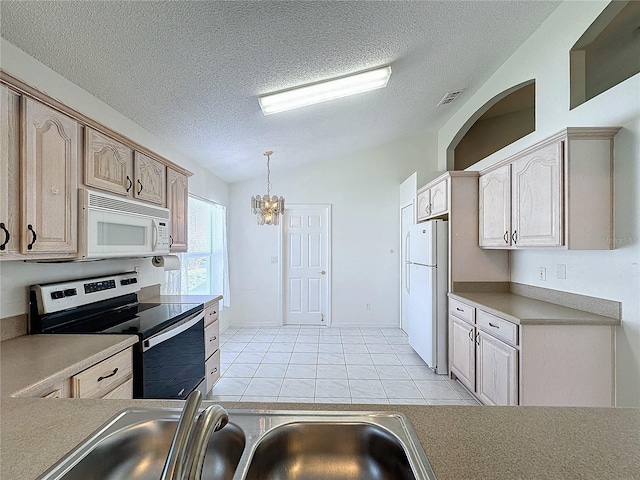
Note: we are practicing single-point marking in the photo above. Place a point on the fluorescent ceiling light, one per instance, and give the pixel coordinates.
(323, 91)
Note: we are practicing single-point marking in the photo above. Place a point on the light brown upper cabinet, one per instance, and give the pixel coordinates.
(557, 193)
(10, 172)
(112, 166)
(433, 200)
(49, 180)
(177, 202)
(150, 179)
(108, 164)
(521, 203)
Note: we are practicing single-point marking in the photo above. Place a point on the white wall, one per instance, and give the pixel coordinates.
(363, 190)
(605, 274)
(15, 276)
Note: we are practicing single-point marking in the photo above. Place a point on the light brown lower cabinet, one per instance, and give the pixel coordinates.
(485, 365)
(211, 345)
(497, 371)
(106, 379)
(548, 364)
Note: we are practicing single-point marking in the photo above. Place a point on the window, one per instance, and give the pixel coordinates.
(203, 268)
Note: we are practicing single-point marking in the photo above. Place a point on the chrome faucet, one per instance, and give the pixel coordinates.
(188, 447)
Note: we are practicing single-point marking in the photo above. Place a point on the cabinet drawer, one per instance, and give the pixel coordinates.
(462, 311)
(211, 339)
(100, 379)
(497, 327)
(122, 392)
(210, 314)
(212, 366)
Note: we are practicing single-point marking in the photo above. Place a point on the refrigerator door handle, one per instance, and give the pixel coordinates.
(407, 279)
(407, 245)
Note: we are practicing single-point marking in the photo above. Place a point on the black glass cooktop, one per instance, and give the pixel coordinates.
(151, 318)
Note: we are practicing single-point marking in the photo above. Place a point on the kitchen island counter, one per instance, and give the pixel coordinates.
(461, 442)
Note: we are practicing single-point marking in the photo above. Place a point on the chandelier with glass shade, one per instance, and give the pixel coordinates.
(268, 209)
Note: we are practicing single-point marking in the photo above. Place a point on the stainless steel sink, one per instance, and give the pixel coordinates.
(256, 445)
(134, 446)
(362, 451)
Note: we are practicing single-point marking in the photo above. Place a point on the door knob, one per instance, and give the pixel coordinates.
(323, 272)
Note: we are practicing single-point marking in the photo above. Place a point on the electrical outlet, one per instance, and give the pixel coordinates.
(542, 273)
(561, 272)
(367, 306)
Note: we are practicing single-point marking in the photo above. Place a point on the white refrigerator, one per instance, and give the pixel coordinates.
(425, 292)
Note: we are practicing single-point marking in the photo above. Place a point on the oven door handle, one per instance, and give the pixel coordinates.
(171, 332)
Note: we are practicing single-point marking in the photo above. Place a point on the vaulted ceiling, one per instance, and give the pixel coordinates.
(190, 71)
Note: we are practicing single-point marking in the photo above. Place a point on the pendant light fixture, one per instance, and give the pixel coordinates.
(268, 209)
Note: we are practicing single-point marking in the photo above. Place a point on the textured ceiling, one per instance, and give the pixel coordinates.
(190, 71)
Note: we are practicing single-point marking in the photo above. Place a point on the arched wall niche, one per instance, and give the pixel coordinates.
(505, 118)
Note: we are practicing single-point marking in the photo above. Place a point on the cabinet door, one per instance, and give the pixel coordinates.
(9, 172)
(497, 371)
(438, 198)
(108, 164)
(150, 180)
(424, 205)
(462, 351)
(494, 207)
(49, 171)
(537, 198)
(177, 200)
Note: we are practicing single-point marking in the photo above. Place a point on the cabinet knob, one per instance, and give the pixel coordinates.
(33, 238)
(115, 370)
(6, 236)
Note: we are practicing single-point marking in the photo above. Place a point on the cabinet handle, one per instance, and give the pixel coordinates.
(33, 240)
(471, 334)
(514, 237)
(494, 326)
(506, 237)
(477, 339)
(130, 183)
(214, 370)
(213, 339)
(6, 236)
(115, 370)
(460, 309)
(139, 183)
(170, 241)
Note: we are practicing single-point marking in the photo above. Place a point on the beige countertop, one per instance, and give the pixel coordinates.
(461, 442)
(528, 311)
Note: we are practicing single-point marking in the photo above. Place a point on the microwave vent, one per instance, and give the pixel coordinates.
(126, 206)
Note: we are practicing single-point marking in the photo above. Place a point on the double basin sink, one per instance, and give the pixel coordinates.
(256, 445)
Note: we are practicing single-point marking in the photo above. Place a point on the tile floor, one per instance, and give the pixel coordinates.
(328, 365)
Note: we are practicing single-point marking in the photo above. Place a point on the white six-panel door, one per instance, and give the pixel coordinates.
(306, 276)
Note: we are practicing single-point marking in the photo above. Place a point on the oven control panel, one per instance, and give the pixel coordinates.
(54, 297)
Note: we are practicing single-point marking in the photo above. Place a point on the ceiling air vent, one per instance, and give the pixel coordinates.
(450, 97)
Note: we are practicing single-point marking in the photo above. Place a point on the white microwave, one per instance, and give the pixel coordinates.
(112, 226)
